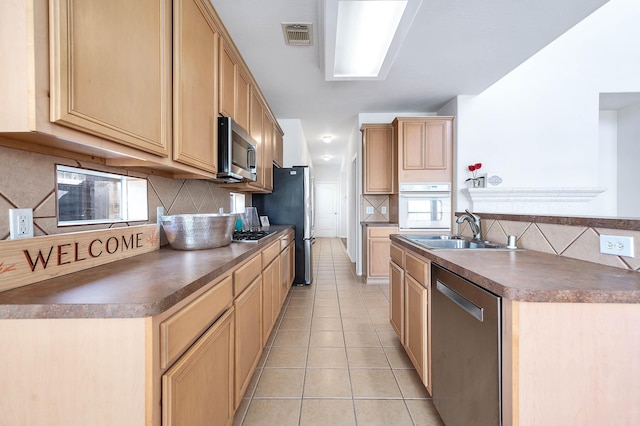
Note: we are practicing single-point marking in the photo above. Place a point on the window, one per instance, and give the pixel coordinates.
(87, 197)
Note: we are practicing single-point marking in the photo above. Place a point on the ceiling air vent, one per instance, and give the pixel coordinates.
(300, 34)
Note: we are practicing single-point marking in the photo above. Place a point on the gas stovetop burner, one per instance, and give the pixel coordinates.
(250, 236)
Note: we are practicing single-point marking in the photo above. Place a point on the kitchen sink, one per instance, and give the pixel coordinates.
(451, 242)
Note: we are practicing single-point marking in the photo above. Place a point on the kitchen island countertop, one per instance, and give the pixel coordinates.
(531, 276)
(140, 286)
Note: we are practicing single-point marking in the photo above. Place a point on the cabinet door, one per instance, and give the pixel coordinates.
(243, 90)
(425, 149)
(396, 299)
(267, 137)
(198, 389)
(379, 157)
(194, 87)
(255, 129)
(286, 263)
(415, 332)
(270, 297)
(279, 148)
(378, 257)
(248, 336)
(227, 81)
(111, 71)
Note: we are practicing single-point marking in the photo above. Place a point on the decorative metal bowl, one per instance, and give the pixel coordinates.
(199, 231)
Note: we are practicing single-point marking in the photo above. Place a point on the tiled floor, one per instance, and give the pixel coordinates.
(333, 359)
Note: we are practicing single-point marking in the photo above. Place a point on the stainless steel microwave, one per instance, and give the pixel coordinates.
(237, 154)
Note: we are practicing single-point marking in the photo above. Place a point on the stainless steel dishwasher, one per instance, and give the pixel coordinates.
(465, 351)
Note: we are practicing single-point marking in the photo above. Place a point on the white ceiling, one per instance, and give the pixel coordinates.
(454, 47)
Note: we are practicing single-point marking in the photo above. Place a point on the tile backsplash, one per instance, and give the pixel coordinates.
(27, 180)
(578, 242)
(375, 204)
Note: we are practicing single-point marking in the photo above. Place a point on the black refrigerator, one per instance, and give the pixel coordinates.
(291, 203)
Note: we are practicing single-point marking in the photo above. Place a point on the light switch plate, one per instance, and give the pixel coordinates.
(616, 245)
(383, 209)
(368, 210)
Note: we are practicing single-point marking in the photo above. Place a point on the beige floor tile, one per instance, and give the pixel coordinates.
(327, 358)
(297, 312)
(410, 384)
(423, 412)
(295, 324)
(367, 358)
(273, 412)
(326, 312)
(283, 357)
(327, 412)
(295, 302)
(353, 312)
(374, 383)
(292, 338)
(389, 338)
(327, 302)
(326, 339)
(381, 324)
(280, 383)
(327, 383)
(397, 357)
(361, 338)
(379, 311)
(382, 412)
(320, 323)
(357, 324)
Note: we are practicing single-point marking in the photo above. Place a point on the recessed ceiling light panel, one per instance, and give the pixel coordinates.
(362, 37)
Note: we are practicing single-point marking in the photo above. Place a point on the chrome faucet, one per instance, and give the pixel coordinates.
(474, 223)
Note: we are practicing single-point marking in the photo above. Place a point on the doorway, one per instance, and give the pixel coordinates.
(326, 209)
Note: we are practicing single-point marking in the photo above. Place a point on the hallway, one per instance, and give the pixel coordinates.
(333, 358)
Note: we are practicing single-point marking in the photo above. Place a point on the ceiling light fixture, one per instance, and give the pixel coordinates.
(362, 37)
(327, 139)
(326, 157)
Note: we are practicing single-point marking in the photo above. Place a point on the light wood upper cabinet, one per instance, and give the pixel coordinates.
(111, 70)
(194, 87)
(235, 87)
(425, 149)
(198, 389)
(278, 155)
(379, 153)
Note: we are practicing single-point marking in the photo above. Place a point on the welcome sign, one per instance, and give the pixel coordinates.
(29, 260)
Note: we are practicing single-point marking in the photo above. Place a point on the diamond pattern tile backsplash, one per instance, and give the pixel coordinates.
(578, 242)
(27, 180)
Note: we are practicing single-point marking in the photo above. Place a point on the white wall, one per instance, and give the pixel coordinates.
(295, 150)
(538, 126)
(607, 203)
(628, 157)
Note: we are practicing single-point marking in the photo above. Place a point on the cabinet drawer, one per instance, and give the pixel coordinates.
(418, 268)
(270, 253)
(182, 328)
(382, 231)
(244, 275)
(397, 255)
(286, 240)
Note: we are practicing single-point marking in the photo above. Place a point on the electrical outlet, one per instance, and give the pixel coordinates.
(383, 209)
(20, 223)
(368, 210)
(618, 246)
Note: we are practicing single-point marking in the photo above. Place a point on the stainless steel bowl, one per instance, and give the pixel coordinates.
(198, 231)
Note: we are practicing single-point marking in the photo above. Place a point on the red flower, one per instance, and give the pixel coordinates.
(473, 168)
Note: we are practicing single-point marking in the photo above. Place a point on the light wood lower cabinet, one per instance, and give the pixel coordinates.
(198, 389)
(270, 288)
(377, 243)
(248, 334)
(409, 307)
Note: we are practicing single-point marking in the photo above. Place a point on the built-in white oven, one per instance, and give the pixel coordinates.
(424, 206)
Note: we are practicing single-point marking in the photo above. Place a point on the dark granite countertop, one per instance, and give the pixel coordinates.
(378, 223)
(140, 286)
(531, 276)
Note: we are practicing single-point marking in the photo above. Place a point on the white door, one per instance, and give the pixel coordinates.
(326, 209)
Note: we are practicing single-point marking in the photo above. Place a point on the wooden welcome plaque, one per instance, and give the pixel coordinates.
(29, 260)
